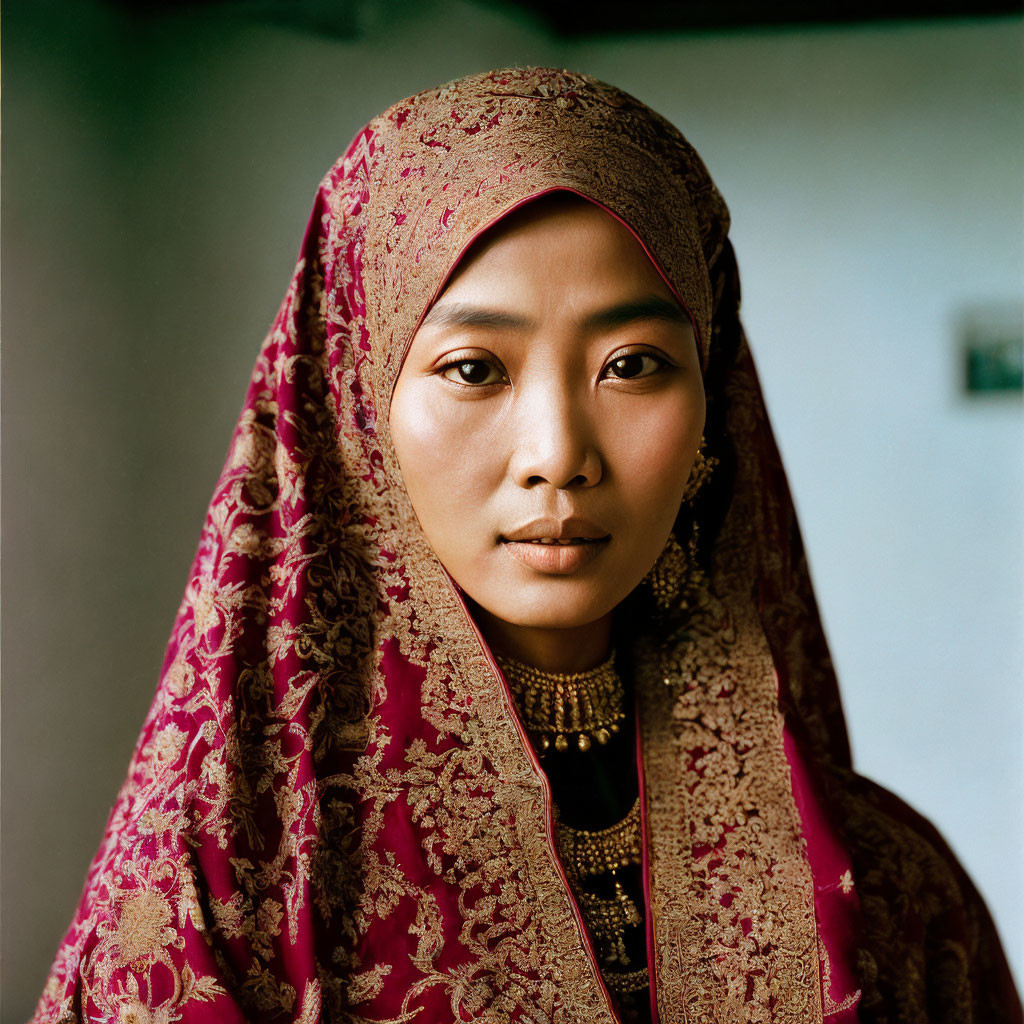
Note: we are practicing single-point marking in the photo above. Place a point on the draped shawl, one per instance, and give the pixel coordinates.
(333, 812)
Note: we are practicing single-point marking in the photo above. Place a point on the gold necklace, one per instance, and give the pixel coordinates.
(554, 705)
(587, 853)
(590, 705)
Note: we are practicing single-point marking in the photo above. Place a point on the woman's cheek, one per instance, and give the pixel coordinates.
(425, 431)
(656, 452)
(420, 441)
(444, 464)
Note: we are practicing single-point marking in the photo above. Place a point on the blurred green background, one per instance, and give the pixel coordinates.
(158, 169)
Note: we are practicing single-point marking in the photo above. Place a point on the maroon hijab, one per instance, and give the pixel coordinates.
(333, 812)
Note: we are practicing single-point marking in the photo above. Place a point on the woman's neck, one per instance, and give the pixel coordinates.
(573, 649)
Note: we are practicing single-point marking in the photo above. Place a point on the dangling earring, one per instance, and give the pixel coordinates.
(700, 471)
(676, 569)
(669, 575)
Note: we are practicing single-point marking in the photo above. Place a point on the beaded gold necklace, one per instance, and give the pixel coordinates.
(590, 705)
(555, 705)
(590, 853)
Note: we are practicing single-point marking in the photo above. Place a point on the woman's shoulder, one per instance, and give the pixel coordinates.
(929, 949)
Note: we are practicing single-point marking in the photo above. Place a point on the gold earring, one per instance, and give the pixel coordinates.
(700, 471)
(669, 575)
(676, 569)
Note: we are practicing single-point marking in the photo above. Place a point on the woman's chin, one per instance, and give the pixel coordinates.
(555, 609)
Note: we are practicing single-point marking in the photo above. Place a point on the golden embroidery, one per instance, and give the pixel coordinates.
(829, 1005)
(732, 906)
(142, 926)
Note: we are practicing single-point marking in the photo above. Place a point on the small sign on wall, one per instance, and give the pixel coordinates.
(992, 342)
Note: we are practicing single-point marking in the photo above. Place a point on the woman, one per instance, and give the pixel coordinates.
(498, 691)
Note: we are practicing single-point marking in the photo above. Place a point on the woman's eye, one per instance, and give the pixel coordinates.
(638, 364)
(472, 371)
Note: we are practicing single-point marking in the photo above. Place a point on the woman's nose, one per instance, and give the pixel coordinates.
(554, 441)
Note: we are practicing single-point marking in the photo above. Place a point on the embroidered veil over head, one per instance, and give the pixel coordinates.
(333, 811)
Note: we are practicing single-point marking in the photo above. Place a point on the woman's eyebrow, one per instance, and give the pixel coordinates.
(461, 314)
(650, 307)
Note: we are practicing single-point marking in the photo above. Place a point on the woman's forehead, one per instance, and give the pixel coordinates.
(558, 232)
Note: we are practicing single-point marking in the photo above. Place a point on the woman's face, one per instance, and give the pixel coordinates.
(547, 415)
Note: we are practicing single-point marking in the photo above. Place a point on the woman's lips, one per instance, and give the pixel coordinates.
(556, 559)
